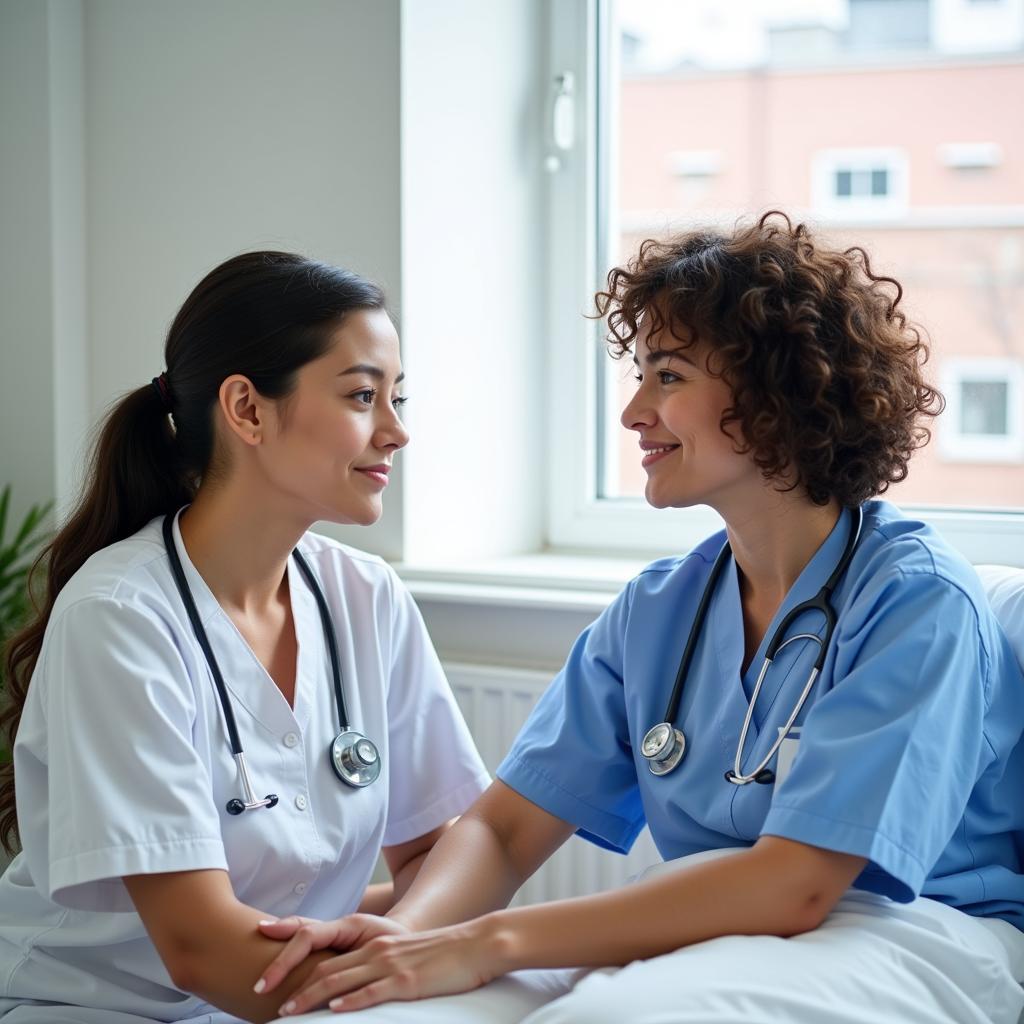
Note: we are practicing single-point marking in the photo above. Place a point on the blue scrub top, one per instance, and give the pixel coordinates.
(909, 751)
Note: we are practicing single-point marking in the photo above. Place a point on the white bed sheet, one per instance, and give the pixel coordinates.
(917, 963)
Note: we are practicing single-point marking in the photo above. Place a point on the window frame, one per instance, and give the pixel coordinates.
(958, 447)
(827, 163)
(577, 521)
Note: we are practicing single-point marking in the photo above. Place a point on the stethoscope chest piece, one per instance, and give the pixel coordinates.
(663, 746)
(355, 759)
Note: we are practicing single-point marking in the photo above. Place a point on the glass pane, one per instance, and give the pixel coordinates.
(862, 183)
(754, 89)
(984, 407)
(876, 25)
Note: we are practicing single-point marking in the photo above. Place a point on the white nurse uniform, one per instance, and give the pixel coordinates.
(123, 767)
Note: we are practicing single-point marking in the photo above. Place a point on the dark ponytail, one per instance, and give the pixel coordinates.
(264, 315)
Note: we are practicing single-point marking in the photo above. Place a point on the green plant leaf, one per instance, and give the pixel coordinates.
(13, 579)
(15, 564)
(5, 501)
(35, 515)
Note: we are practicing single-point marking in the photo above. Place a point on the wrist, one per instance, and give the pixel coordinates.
(497, 934)
(405, 918)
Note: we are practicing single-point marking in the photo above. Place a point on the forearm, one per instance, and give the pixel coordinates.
(222, 963)
(209, 940)
(730, 896)
(468, 873)
(378, 899)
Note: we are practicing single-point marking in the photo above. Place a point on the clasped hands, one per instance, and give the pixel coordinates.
(380, 959)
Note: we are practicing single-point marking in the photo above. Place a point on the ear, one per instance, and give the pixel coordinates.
(243, 409)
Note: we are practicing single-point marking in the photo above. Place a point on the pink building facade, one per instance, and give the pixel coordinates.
(922, 164)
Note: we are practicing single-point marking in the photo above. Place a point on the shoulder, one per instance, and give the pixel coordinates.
(358, 574)
(677, 570)
(114, 627)
(898, 547)
(908, 578)
(124, 576)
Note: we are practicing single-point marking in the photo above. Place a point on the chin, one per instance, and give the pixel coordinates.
(365, 515)
(656, 500)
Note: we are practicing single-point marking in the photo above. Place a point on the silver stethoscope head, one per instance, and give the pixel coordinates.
(663, 747)
(355, 759)
(250, 803)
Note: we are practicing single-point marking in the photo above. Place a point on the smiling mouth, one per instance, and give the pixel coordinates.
(378, 474)
(652, 455)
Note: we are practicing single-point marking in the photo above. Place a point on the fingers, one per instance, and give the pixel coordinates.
(282, 927)
(390, 967)
(382, 991)
(327, 983)
(306, 936)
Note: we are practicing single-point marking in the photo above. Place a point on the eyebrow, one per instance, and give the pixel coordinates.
(661, 355)
(371, 371)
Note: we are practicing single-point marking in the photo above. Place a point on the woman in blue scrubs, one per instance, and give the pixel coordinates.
(877, 825)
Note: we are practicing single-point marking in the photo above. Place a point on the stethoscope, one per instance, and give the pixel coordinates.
(664, 745)
(354, 758)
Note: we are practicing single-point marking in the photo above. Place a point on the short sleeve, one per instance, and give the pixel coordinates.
(435, 770)
(889, 756)
(573, 756)
(126, 791)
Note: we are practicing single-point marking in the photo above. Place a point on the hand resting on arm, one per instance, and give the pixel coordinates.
(478, 866)
(210, 941)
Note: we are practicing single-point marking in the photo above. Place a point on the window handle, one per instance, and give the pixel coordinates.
(563, 119)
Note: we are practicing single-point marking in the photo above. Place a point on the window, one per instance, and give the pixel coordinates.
(859, 184)
(879, 25)
(983, 420)
(697, 112)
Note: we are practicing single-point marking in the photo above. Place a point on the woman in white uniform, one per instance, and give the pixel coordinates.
(851, 785)
(152, 847)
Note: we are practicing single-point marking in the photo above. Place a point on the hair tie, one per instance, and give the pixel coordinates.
(159, 385)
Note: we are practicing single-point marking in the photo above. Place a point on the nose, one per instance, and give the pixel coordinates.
(391, 431)
(637, 415)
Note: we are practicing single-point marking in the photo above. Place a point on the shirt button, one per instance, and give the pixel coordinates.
(300, 802)
(290, 739)
(300, 888)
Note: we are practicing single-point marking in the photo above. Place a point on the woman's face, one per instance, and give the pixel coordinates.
(335, 437)
(676, 412)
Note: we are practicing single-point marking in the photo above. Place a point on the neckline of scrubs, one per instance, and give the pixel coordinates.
(727, 624)
(307, 624)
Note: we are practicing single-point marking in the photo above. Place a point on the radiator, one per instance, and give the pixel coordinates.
(495, 702)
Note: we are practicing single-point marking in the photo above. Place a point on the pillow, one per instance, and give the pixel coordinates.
(1004, 587)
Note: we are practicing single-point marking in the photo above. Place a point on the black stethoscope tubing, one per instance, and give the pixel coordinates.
(353, 757)
(200, 632)
(329, 636)
(821, 602)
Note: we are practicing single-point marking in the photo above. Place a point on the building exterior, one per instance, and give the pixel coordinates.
(898, 126)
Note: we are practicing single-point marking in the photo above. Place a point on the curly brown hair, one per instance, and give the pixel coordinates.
(825, 370)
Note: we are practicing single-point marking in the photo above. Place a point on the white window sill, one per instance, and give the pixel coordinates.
(573, 582)
(546, 580)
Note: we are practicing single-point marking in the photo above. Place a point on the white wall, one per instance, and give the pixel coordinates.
(216, 128)
(145, 141)
(42, 338)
